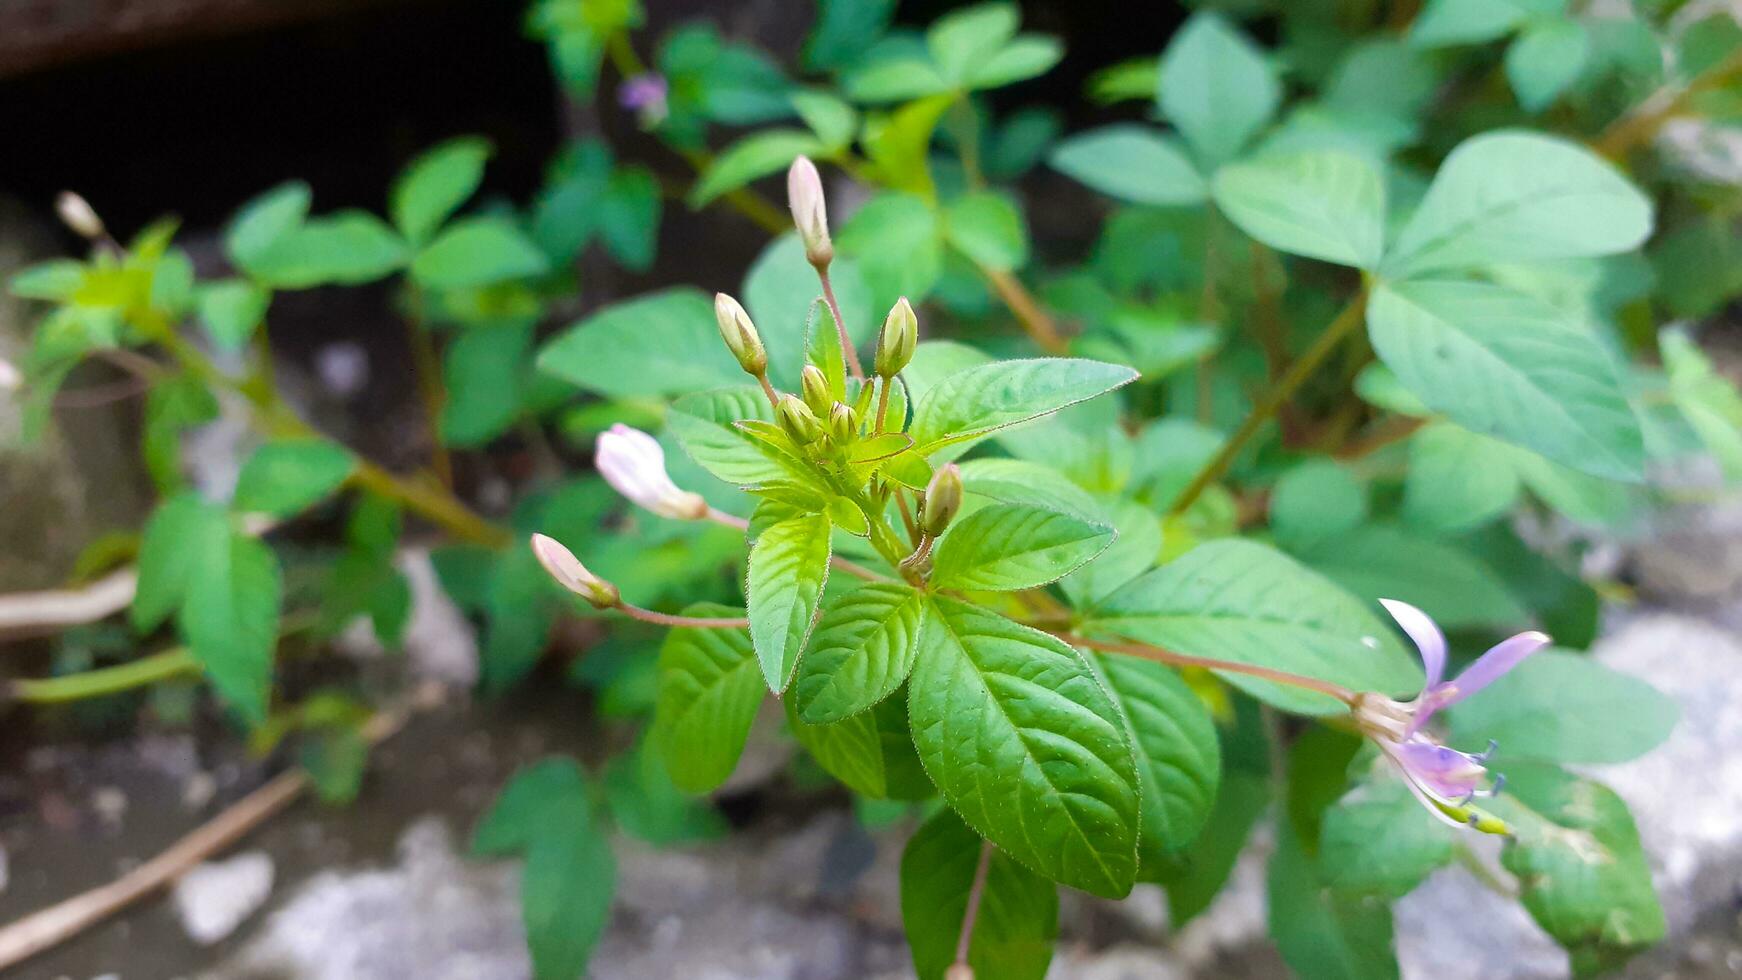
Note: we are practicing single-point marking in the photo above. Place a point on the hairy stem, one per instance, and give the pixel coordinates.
(693, 622)
(1279, 393)
(1161, 655)
(976, 893)
(840, 323)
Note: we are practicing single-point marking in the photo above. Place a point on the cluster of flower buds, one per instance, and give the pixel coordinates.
(810, 214)
(568, 571)
(740, 335)
(633, 463)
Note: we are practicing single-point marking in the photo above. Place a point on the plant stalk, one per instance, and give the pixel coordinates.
(1160, 655)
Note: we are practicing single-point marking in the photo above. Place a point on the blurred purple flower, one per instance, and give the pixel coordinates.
(645, 95)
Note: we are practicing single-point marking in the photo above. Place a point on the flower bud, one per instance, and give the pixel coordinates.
(815, 390)
(943, 499)
(842, 427)
(959, 971)
(10, 377)
(798, 420)
(804, 194)
(740, 335)
(568, 571)
(78, 215)
(634, 464)
(899, 337)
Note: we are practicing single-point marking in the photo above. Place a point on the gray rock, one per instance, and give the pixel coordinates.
(217, 896)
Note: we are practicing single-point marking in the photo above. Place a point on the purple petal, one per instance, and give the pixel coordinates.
(1494, 664)
(1427, 636)
(1444, 772)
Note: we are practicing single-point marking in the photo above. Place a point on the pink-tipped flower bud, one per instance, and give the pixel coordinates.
(895, 345)
(740, 335)
(77, 214)
(810, 213)
(633, 463)
(569, 573)
(943, 500)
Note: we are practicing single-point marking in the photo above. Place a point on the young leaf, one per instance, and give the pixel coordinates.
(232, 310)
(167, 551)
(770, 151)
(477, 252)
(1323, 204)
(1568, 708)
(709, 691)
(1179, 760)
(1545, 60)
(1583, 874)
(1512, 196)
(789, 563)
(286, 477)
(1510, 366)
(435, 185)
(1010, 547)
(1217, 87)
(664, 343)
(1017, 733)
(1378, 841)
(863, 649)
(706, 426)
(987, 228)
(1239, 600)
(1018, 919)
(230, 613)
(971, 404)
(264, 221)
(1133, 163)
(1322, 933)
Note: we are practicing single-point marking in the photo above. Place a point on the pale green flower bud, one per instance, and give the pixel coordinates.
(815, 390)
(740, 335)
(842, 426)
(568, 571)
(899, 337)
(798, 420)
(943, 500)
(804, 194)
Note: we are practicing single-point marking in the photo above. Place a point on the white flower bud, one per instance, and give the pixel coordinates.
(78, 215)
(810, 213)
(568, 571)
(634, 464)
(740, 335)
(895, 345)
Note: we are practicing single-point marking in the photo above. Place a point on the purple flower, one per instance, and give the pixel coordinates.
(645, 95)
(1445, 780)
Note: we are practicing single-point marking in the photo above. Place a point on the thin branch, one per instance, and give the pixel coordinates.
(1279, 393)
(840, 323)
(1035, 321)
(35, 613)
(54, 925)
(1161, 655)
(1643, 122)
(175, 662)
(976, 893)
(688, 622)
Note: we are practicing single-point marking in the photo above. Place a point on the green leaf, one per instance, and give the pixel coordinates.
(175, 404)
(1133, 163)
(1021, 739)
(1323, 204)
(842, 30)
(513, 819)
(566, 887)
(1710, 401)
(57, 280)
(1448, 22)
(1322, 933)
(336, 760)
(780, 293)
(1565, 707)
(1217, 87)
(896, 77)
(1134, 551)
(477, 252)
(1194, 875)
(964, 39)
(705, 425)
(1582, 873)
(629, 217)
(1315, 500)
(664, 343)
(230, 614)
(1378, 561)
(709, 692)
(1241, 601)
(1010, 547)
(987, 228)
(1025, 57)
(968, 405)
(519, 611)
(832, 120)
(789, 563)
(1378, 840)
(646, 804)
(1514, 196)
(1018, 919)
(1457, 479)
(1545, 60)
(899, 145)
(167, 551)
(870, 752)
(232, 309)
(345, 248)
(863, 649)
(1179, 760)
(264, 221)
(286, 477)
(896, 240)
(1512, 367)
(483, 372)
(770, 151)
(435, 185)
